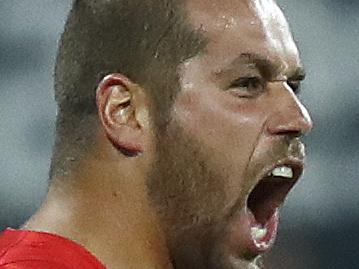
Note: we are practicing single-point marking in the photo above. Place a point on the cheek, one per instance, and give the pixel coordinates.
(226, 127)
(226, 124)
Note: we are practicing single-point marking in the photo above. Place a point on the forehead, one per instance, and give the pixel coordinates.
(234, 27)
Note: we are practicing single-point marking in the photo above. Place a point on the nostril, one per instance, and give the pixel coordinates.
(290, 129)
(288, 133)
(292, 121)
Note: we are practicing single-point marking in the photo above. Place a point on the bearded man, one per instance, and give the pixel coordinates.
(177, 138)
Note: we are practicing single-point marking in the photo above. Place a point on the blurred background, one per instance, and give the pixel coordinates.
(318, 220)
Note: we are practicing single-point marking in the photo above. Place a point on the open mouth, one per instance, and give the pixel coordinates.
(265, 200)
(270, 192)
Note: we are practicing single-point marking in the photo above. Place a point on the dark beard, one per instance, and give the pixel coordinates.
(184, 182)
(188, 189)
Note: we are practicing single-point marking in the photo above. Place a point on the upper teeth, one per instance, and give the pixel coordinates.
(282, 171)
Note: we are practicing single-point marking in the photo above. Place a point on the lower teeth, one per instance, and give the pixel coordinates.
(258, 233)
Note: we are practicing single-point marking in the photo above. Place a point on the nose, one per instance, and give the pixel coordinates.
(289, 116)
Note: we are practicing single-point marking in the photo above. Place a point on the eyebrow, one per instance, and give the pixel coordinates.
(266, 66)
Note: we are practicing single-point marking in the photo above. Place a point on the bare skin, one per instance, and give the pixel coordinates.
(182, 201)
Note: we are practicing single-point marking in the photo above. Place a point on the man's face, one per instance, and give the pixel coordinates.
(234, 121)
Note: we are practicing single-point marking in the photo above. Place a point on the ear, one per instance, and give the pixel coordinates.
(123, 111)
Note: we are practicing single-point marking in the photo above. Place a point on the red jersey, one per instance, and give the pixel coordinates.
(39, 250)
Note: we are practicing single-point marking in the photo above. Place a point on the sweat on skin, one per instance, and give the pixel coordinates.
(201, 192)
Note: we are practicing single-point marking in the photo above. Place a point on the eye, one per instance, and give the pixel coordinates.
(294, 85)
(247, 86)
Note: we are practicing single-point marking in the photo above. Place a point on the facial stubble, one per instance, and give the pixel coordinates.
(189, 185)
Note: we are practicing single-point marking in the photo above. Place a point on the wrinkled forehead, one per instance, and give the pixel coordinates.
(244, 26)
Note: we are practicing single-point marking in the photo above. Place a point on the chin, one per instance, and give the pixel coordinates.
(211, 248)
(219, 261)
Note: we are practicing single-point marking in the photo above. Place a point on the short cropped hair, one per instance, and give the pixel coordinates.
(145, 40)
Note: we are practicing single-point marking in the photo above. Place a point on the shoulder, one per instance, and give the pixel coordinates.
(33, 264)
(18, 251)
(37, 250)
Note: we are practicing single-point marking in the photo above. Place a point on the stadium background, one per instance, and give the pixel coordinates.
(319, 219)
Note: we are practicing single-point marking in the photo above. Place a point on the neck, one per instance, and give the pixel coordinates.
(113, 220)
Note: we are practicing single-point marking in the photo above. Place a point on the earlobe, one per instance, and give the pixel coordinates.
(117, 105)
